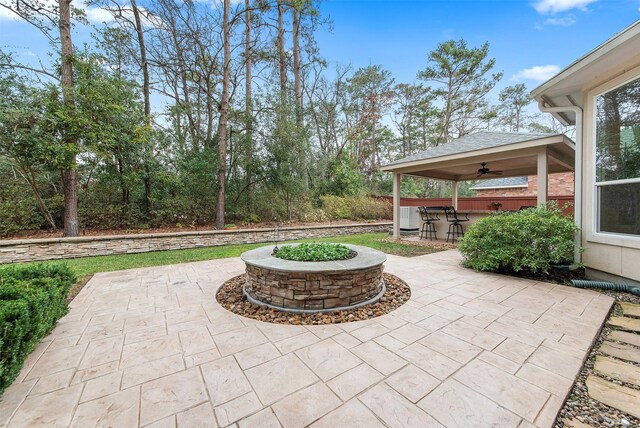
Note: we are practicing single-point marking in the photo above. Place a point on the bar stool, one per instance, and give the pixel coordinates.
(455, 223)
(428, 226)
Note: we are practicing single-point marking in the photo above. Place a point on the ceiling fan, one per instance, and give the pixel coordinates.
(484, 170)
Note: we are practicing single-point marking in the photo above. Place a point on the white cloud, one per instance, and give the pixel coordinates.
(48, 7)
(554, 6)
(7, 15)
(565, 21)
(98, 15)
(539, 73)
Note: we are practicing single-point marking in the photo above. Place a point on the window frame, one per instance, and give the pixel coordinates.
(604, 236)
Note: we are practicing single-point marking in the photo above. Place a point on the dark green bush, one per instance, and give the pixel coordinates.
(314, 252)
(32, 299)
(529, 240)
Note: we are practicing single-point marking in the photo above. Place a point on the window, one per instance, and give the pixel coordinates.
(618, 160)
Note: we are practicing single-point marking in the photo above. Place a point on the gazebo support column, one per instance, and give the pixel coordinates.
(396, 205)
(543, 177)
(454, 195)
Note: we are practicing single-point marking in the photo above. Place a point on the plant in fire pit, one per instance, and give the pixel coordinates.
(315, 252)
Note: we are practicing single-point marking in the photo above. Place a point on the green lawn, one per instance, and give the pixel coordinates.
(89, 265)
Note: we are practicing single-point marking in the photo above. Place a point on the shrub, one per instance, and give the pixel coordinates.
(530, 240)
(32, 299)
(355, 208)
(314, 252)
(335, 207)
(369, 209)
(18, 210)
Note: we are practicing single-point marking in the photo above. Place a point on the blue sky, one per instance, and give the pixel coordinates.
(529, 39)
(549, 34)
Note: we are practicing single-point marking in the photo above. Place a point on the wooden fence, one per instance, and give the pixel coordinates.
(482, 203)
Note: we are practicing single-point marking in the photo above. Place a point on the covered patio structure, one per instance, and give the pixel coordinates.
(514, 154)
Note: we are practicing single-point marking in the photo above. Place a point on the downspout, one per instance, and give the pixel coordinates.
(577, 176)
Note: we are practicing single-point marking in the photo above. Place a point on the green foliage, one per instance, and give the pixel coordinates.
(529, 240)
(513, 100)
(355, 208)
(32, 299)
(343, 178)
(314, 252)
(17, 210)
(462, 78)
(335, 207)
(282, 163)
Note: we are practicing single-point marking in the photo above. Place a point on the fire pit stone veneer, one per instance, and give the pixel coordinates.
(314, 286)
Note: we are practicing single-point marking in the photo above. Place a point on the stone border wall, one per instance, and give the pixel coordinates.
(313, 290)
(14, 251)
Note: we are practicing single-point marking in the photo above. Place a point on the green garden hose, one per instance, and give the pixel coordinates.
(606, 285)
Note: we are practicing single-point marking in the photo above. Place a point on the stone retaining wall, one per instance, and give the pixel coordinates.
(13, 251)
(313, 291)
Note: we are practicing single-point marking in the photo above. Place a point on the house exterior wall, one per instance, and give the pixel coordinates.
(618, 255)
(560, 183)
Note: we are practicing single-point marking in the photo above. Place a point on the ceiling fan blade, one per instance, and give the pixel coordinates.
(495, 172)
(479, 175)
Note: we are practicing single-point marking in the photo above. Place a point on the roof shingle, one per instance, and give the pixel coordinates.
(502, 183)
(472, 142)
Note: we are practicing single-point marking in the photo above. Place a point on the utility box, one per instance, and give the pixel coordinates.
(409, 220)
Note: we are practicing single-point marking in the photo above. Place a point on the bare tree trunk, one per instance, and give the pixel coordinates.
(144, 65)
(281, 55)
(297, 78)
(248, 103)
(146, 89)
(296, 66)
(69, 177)
(224, 115)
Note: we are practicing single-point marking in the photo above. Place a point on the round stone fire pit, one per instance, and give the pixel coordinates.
(314, 286)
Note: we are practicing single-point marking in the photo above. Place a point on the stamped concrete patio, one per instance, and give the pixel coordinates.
(151, 347)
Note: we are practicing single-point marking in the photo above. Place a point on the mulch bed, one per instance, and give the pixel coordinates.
(77, 287)
(555, 275)
(231, 298)
(436, 245)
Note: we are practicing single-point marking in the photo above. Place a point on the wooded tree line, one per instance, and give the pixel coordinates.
(187, 113)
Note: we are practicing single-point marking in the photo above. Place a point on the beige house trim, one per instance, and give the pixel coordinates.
(571, 96)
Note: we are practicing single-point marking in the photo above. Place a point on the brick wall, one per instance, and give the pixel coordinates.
(13, 251)
(560, 183)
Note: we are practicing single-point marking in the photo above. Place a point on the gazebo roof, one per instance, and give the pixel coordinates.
(515, 154)
(472, 142)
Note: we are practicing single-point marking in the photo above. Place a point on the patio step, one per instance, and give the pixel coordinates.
(623, 336)
(619, 350)
(618, 370)
(619, 397)
(630, 309)
(625, 323)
